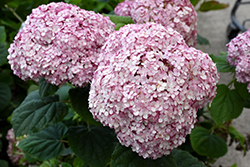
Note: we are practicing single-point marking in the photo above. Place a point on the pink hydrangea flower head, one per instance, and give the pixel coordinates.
(14, 153)
(178, 14)
(148, 87)
(59, 42)
(239, 56)
(123, 8)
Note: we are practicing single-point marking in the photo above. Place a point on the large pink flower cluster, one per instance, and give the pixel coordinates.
(239, 56)
(148, 87)
(59, 42)
(178, 14)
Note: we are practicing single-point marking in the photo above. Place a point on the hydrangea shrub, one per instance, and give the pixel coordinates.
(178, 14)
(148, 87)
(61, 43)
(239, 56)
(139, 96)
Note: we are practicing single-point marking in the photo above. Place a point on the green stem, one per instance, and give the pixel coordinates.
(64, 141)
(65, 102)
(14, 13)
(112, 4)
(18, 153)
(13, 105)
(232, 81)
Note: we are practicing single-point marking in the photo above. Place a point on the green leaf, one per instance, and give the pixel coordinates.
(30, 159)
(194, 2)
(64, 164)
(35, 114)
(212, 5)
(75, 2)
(234, 165)
(94, 145)
(119, 25)
(184, 159)
(50, 163)
(6, 76)
(227, 104)
(5, 95)
(202, 41)
(32, 88)
(45, 88)
(222, 63)
(10, 23)
(67, 151)
(206, 143)
(45, 144)
(237, 135)
(2, 34)
(105, 1)
(3, 54)
(78, 162)
(46, 164)
(63, 92)
(4, 163)
(247, 103)
(99, 6)
(241, 88)
(70, 114)
(125, 157)
(207, 124)
(79, 99)
(119, 21)
(223, 53)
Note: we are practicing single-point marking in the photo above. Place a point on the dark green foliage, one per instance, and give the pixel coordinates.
(35, 114)
(45, 144)
(222, 63)
(4, 163)
(242, 89)
(202, 41)
(94, 145)
(184, 159)
(208, 144)
(227, 104)
(3, 54)
(79, 99)
(194, 2)
(212, 5)
(5, 95)
(119, 21)
(125, 157)
(45, 88)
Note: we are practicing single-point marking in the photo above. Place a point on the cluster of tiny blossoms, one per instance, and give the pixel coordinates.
(148, 87)
(14, 153)
(178, 14)
(239, 56)
(59, 42)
